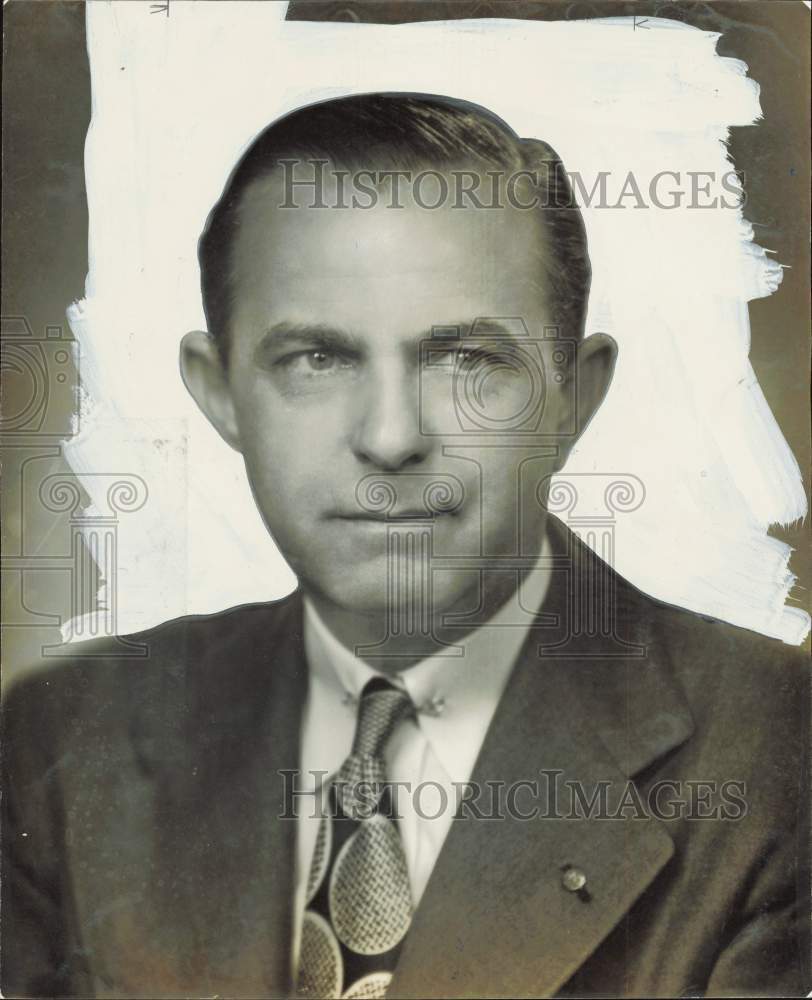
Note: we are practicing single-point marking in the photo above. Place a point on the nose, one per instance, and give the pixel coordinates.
(386, 432)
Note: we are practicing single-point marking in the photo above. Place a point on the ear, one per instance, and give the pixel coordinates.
(203, 374)
(591, 375)
(596, 364)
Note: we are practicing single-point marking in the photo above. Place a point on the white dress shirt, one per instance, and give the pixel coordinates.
(455, 697)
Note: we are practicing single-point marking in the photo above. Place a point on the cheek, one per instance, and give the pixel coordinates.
(495, 395)
(510, 479)
(268, 423)
(288, 451)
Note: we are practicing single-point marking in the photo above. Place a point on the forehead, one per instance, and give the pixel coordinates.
(410, 266)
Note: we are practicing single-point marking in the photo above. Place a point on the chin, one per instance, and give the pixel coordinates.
(364, 588)
(354, 585)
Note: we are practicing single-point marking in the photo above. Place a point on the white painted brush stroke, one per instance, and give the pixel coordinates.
(174, 102)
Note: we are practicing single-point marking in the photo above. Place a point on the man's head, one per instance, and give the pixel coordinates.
(355, 309)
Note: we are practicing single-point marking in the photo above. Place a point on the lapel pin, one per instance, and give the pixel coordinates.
(574, 880)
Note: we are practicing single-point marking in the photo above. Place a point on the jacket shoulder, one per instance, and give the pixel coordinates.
(703, 645)
(106, 677)
(748, 693)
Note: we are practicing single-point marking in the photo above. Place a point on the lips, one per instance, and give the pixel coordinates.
(408, 514)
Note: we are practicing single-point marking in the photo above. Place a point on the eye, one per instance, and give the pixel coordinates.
(320, 360)
(465, 355)
(313, 361)
(454, 357)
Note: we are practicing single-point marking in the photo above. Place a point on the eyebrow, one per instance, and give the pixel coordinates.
(481, 327)
(320, 334)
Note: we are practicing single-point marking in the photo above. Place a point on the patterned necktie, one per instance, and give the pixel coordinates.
(359, 901)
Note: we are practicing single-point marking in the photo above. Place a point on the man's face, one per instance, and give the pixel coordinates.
(329, 386)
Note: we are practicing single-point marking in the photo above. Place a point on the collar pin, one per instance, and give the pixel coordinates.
(434, 706)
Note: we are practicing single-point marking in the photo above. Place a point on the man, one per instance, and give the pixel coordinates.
(464, 758)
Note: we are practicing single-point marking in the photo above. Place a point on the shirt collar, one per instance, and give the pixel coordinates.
(456, 695)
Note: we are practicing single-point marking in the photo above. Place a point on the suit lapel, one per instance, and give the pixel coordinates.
(497, 918)
(222, 859)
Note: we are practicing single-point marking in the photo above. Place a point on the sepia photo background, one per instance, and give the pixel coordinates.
(47, 575)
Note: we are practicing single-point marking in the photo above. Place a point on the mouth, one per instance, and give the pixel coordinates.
(384, 517)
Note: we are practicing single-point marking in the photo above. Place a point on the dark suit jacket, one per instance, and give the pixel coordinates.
(145, 856)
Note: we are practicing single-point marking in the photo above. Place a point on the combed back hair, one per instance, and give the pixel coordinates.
(403, 132)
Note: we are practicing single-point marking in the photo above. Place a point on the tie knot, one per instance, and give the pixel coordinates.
(381, 708)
